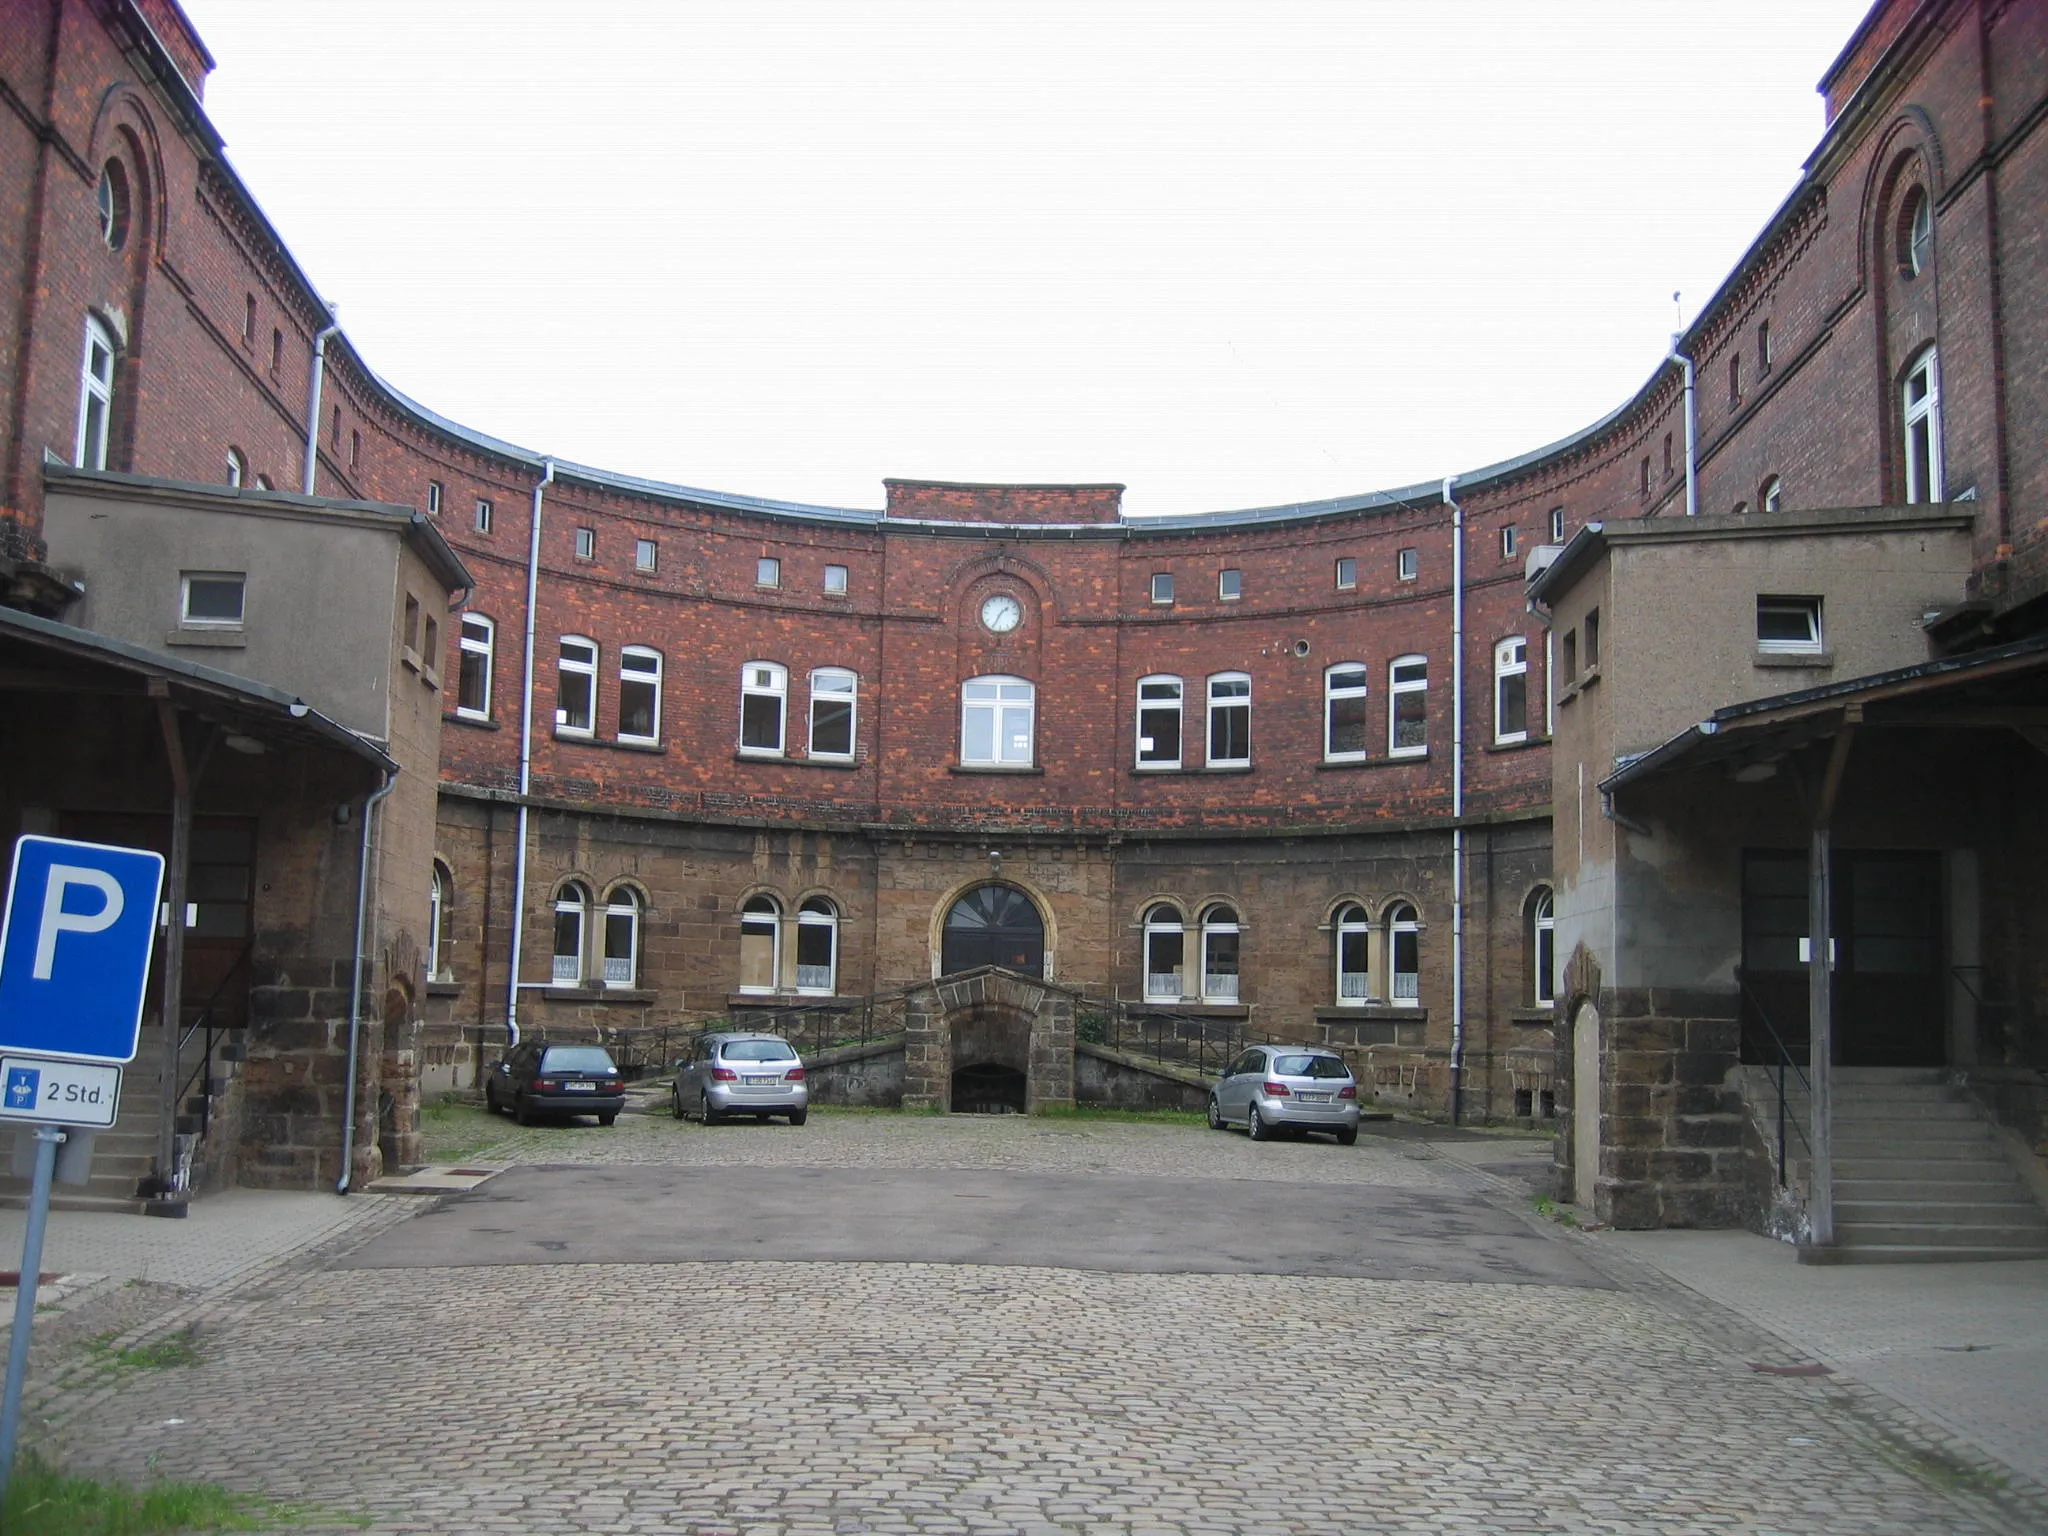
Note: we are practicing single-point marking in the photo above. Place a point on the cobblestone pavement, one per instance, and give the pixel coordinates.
(753, 1399)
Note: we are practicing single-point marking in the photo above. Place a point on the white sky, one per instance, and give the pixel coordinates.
(1229, 252)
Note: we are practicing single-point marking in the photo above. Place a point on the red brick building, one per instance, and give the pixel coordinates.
(1285, 768)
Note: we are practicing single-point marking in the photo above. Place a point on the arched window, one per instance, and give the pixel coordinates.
(1165, 954)
(1921, 402)
(1408, 706)
(1404, 952)
(1230, 720)
(572, 912)
(1542, 947)
(473, 686)
(1354, 955)
(1345, 702)
(622, 937)
(1159, 723)
(437, 924)
(1770, 496)
(576, 687)
(764, 697)
(994, 925)
(238, 467)
(1511, 690)
(996, 722)
(111, 196)
(95, 395)
(817, 947)
(760, 944)
(834, 695)
(1916, 233)
(1219, 954)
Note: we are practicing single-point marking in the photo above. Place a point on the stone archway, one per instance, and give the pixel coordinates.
(1585, 1105)
(967, 1039)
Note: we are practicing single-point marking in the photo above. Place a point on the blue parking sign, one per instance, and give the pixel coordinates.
(74, 949)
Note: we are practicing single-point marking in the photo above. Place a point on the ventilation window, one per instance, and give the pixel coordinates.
(767, 572)
(213, 599)
(1162, 586)
(483, 515)
(1763, 346)
(1407, 564)
(1347, 574)
(1230, 585)
(1507, 543)
(1916, 233)
(1788, 626)
(433, 498)
(643, 554)
(586, 543)
(835, 580)
(1557, 525)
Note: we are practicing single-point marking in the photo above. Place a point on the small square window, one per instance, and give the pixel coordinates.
(1162, 586)
(586, 543)
(1507, 543)
(1557, 525)
(483, 515)
(643, 554)
(213, 599)
(1407, 564)
(434, 498)
(767, 572)
(835, 580)
(1230, 585)
(1788, 626)
(1347, 573)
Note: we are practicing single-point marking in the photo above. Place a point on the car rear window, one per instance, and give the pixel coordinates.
(577, 1058)
(1311, 1066)
(758, 1050)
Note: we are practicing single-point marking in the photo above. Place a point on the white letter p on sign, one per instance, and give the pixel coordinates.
(56, 920)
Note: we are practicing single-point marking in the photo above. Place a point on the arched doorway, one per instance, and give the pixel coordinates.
(989, 1088)
(1585, 1105)
(993, 925)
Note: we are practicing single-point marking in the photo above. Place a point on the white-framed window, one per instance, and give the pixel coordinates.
(817, 947)
(576, 687)
(212, 599)
(438, 894)
(433, 498)
(1511, 690)
(1921, 400)
(238, 467)
(1229, 585)
(1166, 952)
(1407, 564)
(263, 483)
(572, 916)
(473, 684)
(1508, 541)
(1404, 952)
(1159, 722)
(586, 543)
(835, 695)
(764, 703)
(1916, 233)
(996, 721)
(1770, 496)
(835, 580)
(640, 695)
(1347, 573)
(1408, 706)
(1219, 954)
(95, 395)
(622, 937)
(1346, 697)
(111, 197)
(484, 514)
(1354, 955)
(767, 572)
(760, 944)
(1542, 947)
(1789, 626)
(1230, 720)
(1763, 346)
(1557, 525)
(644, 554)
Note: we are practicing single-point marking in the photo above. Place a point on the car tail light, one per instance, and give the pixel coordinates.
(724, 1075)
(1348, 1091)
(543, 1082)
(793, 1075)
(613, 1084)
(1277, 1091)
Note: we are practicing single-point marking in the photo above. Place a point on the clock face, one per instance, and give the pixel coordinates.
(1002, 613)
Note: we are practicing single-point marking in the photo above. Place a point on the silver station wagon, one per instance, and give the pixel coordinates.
(742, 1074)
(1271, 1088)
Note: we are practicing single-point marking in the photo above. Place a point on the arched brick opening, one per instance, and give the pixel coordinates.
(988, 1040)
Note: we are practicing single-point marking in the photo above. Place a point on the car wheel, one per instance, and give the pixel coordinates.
(1348, 1137)
(522, 1112)
(799, 1116)
(610, 1119)
(1215, 1114)
(1256, 1124)
(675, 1102)
(706, 1113)
(490, 1099)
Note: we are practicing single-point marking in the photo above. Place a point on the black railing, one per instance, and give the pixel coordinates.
(200, 1077)
(2006, 1031)
(1781, 1063)
(1201, 1042)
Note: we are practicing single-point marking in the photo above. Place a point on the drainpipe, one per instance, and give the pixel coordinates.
(525, 757)
(355, 984)
(1692, 455)
(319, 369)
(1457, 801)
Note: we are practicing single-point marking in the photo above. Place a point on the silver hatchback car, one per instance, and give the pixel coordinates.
(742, 1074)
(1270, 1088)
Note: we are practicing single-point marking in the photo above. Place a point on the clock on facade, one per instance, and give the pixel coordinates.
(1002, 613)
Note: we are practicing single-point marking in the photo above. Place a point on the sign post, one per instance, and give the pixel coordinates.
(74, 961)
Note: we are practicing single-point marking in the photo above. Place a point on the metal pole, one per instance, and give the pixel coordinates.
(1820, 1033)
(48, 1138)
(173, 1010)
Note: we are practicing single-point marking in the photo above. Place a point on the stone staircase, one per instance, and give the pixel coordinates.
(1920, 1175)
(122, 1155)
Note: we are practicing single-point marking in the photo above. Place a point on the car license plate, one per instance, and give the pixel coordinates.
(1313, 1098)
(580, 1087)
(761, 1082)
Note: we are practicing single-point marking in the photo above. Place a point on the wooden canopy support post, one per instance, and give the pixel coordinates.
(166, 1192)
(1820, 973)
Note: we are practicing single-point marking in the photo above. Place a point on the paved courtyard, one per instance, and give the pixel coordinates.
(447, 1374)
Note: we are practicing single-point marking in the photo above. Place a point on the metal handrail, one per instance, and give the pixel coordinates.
(202, 1070)
(1784, 1060)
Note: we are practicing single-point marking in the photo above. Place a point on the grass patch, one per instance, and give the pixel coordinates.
(1112, 1116)
(44, 1501)
(166, 1353)
(452, 1129)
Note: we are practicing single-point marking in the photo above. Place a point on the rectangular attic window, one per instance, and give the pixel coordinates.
(1788, 626)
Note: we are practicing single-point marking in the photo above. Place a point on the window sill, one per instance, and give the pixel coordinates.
(581, 738)
(444, 989)
(474, 722)
(1522, 745)
(600, 994)
(1376, 1012)
(1194, 1009)
(1815, 660)
(759, 755)
(1372, 762)
(996, 768)
(225, 639)
(1534, 1018)
(796, 762)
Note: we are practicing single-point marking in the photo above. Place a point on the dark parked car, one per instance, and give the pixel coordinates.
(540, 1079)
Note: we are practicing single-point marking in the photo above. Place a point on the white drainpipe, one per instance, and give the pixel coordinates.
(525, 761)
(313, 400)
(1692, 414)
(1457, 800)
